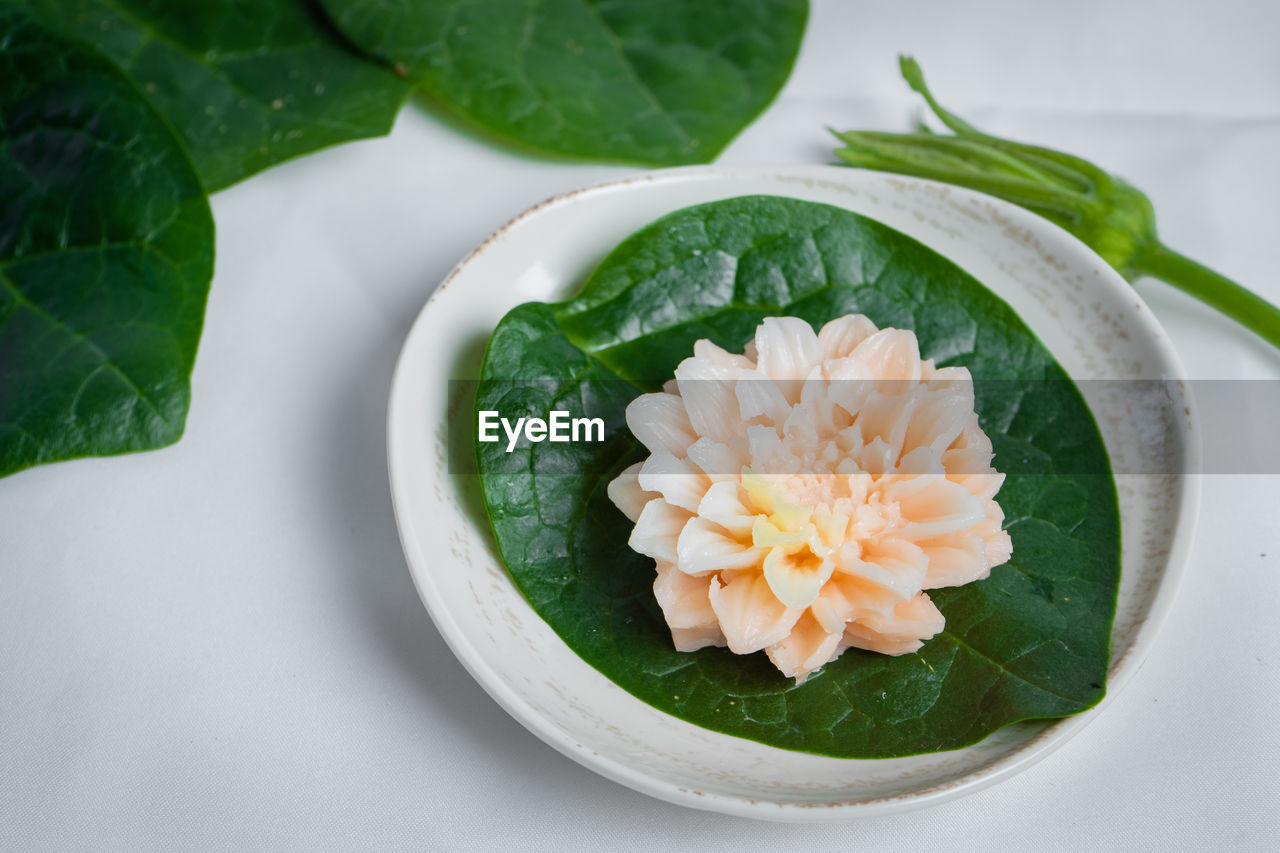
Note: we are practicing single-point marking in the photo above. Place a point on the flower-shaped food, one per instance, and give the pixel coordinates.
(801, 496)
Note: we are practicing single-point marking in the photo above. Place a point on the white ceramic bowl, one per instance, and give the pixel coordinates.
(1068, 296)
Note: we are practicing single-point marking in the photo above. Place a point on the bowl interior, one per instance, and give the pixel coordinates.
(1084, 312)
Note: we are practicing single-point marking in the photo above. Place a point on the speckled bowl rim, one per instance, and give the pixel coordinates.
(1053, 734)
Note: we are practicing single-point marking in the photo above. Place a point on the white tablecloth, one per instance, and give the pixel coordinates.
(218, 645)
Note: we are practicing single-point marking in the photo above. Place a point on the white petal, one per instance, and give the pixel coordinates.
(707, 391)
(678, 480)
(705, 547)
(812, 419)
(887, 417)
(787, 347)
(940, 417)
(839, 337)
(892, 355)
(626, 494)
(877, 457)
(722, 504)
(948, 374)
(750, 617)
(659, 422)
(657, 530)
(758, 395)
(705, 349)
(764, 445)
(718, 461)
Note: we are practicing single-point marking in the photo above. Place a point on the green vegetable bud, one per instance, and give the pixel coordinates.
(1109, 215)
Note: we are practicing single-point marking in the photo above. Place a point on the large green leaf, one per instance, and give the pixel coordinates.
(1031, 641)
(106, 250)
(247, 83)
(663, 82)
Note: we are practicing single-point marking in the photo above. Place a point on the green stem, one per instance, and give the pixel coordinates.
(1245, 307)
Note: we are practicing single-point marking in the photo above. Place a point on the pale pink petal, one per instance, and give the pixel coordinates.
(932, 506)
(750, 617)
(683, 599)
(955, 373)
(970, 456)
(940, 417)
(705, 547)
(659, 422)
(981, 486)
(891, 574)
(842, 335)
(626, 494)
(892, 355)
(999, 545)
(886, 417)
(847, 596)
(904, 561)
(961, 560)
(807, 648)
(922, 460)
(678, 480)
(658, 529)
(787, 348)
(913, 622)
(705, 349)
(692, 639)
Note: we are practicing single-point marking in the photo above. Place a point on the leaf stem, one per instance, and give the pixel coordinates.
(1244, 306)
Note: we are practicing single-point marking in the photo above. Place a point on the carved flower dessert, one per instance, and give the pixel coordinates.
(801, 496)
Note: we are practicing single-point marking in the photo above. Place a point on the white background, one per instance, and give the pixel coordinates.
(218, 645)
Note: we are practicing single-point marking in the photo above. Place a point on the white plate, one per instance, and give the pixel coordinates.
(1069, 297)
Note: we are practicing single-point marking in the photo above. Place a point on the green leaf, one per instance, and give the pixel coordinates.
(246, 83)
(661, 82)
(1031, 641)
(106, 250)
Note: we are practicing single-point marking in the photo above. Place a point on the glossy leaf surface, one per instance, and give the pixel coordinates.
(106, 251)
(246, 83)
(660, 82)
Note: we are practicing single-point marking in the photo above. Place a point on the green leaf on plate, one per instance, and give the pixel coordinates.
(246, 83)
(660, 82)
(1031, 641)
(106, 250)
